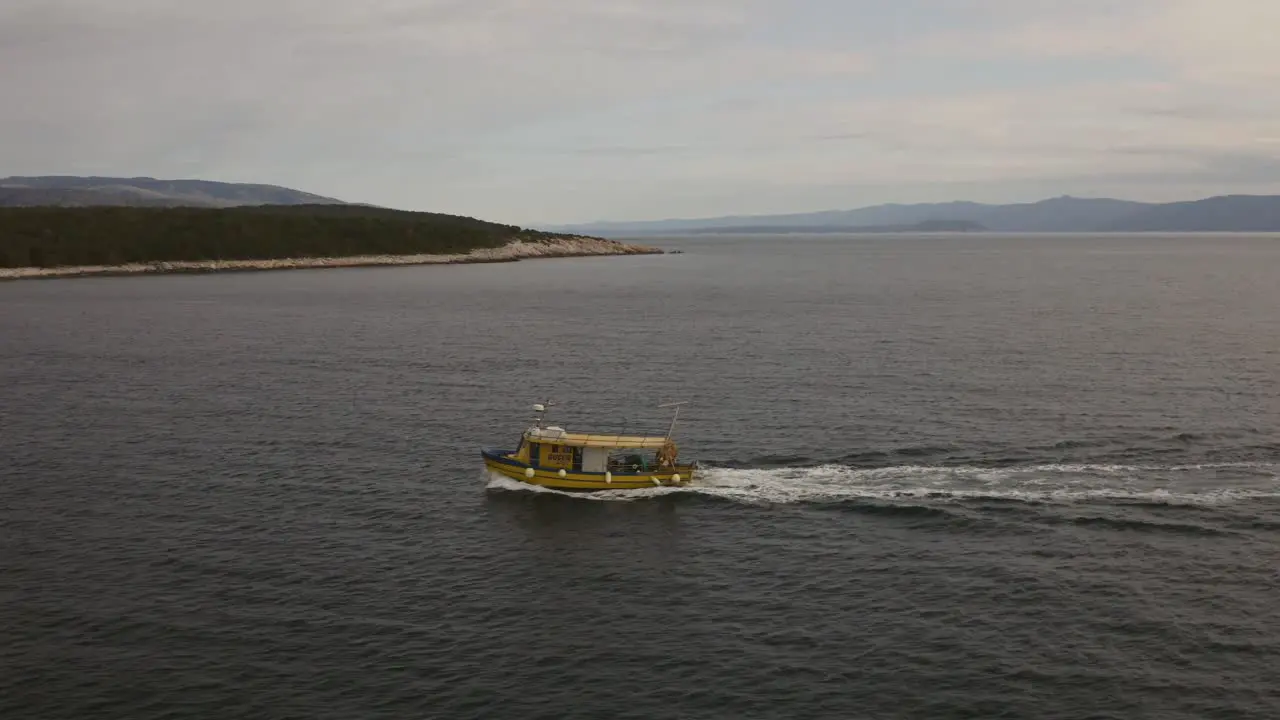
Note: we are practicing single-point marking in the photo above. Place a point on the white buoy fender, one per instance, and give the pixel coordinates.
(561, 472)
(608, 476)
(675, 478)
(528, 472)
(655, 480)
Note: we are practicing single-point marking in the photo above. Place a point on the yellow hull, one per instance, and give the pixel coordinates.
(589, 481)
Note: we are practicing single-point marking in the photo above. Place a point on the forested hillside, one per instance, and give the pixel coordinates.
(53, 236)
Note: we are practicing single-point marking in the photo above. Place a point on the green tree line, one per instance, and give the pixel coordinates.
(54, 236)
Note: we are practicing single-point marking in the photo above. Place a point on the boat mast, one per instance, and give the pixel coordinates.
(675, 405)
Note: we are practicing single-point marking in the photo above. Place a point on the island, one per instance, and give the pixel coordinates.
(76, 241)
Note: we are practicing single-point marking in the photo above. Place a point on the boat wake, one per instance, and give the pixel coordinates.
(1210, 484)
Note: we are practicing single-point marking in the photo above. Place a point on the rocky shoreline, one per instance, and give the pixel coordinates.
(558, 247)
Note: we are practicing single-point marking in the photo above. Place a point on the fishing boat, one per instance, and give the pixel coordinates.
(553, 457)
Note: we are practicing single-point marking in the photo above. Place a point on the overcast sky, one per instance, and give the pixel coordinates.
(543, 111)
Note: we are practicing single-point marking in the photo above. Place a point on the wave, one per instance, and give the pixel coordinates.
(1154, 452)
(1147, 525)
(1172, 485)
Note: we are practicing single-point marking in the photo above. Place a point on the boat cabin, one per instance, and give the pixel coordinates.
(553, 448)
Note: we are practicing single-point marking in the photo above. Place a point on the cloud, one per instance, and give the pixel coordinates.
(108, 85)
(558, 110)
(1215, 42)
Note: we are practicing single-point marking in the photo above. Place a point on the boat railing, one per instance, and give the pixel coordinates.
(626, 427)
(633, 468)
(613, 431)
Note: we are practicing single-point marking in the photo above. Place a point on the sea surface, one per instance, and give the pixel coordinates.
(945, 477)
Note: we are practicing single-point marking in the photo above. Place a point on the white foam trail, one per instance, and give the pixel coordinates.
(1039, 483)
(502, 482)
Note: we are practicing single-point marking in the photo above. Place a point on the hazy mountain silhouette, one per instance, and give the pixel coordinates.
(145, 191)
(1226, 213)
(926, 226)
(1060, 214)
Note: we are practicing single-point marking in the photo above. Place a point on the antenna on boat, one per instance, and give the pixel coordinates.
(539, 410)
(675, 405)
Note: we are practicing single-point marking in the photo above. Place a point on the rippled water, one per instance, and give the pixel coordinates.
(949, 478)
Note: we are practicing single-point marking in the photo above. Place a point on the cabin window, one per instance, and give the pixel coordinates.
(559, 456)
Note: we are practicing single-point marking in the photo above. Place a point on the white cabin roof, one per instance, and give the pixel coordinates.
(598, 440)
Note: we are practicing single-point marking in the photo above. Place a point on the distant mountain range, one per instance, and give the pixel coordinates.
(65, 190)
(926, 226)
(1226, 213)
